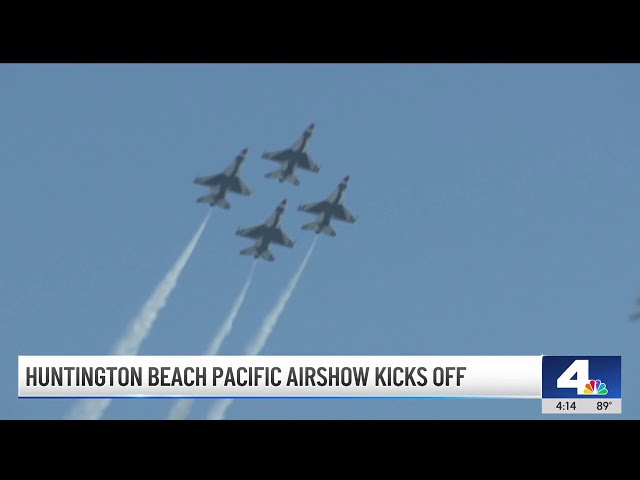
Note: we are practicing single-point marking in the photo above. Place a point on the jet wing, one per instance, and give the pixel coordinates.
(343, 214)
(282, 238)
(317, 207)
(238, 186)
(213, 180)
(307, 163)
(277, 155)
(252, 232)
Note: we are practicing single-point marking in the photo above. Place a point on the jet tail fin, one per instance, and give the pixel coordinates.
(212, 200)
(327, 229)
(276, 174)
(249, 251)
(205, 198)
(292, 179)
(311, 226)
(267, 255)
(222, 202)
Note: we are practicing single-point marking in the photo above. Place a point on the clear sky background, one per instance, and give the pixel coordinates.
(497, 214)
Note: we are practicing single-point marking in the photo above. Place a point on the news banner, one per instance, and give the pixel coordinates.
(565, 384)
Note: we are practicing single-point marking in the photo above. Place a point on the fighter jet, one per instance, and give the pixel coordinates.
(290, 158)
(327, 209)
(269, 232)
(220, 184)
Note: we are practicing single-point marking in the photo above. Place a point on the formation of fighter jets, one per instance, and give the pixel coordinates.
(271, 230)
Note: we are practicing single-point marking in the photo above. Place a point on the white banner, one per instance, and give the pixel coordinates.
(280, 376)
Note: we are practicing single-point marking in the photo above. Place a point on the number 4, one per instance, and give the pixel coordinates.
(579, 368)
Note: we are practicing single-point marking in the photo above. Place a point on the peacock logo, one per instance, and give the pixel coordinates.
(595, 387)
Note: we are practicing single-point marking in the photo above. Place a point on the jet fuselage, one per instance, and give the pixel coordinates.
(288, 170)
(331, 207)
(264, 241)
(303, 144)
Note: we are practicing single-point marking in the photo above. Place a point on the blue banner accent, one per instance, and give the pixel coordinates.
(604, 371)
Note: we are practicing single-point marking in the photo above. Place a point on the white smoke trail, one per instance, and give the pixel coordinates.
(218, 410)
(182, 407)
(141, 325)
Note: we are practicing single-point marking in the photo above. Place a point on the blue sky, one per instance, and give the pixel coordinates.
(496, 213)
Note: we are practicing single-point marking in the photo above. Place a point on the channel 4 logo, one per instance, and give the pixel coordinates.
(581, 377)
